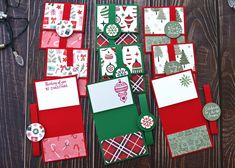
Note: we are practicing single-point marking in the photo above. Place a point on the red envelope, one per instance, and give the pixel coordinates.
(59, 111)
(63, 25)
(180, 111)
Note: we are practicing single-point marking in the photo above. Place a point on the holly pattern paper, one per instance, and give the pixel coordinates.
(131, 57)
(126, 18)
(56, 14)
(64, 147)
(183, 54)
(57, 63)
(155, 20)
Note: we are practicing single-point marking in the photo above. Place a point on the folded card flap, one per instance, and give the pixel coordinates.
(62, 121)
(34, 119)
(111, 94)
(57, 93)
(182, 116)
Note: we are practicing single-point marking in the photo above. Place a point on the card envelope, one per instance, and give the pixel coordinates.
(60, 113)
(180, 111)
(115, 116)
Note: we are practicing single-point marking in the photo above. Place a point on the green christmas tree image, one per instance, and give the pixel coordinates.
(184, 59)
(147, 30)
(161, 16)
(165, 66)
(178, 18)
(158, 53)
(177, 50)
(155, 10)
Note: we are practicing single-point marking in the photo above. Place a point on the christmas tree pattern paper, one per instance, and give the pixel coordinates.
(67, 62)
(63, 25)
(112, 103)
(58, 102)
(117, 21)
(180, 111)
(163, 55)
(129, 56)
(163, 25)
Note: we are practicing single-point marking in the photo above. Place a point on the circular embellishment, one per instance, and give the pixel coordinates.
(173, 29)
(121, 71)
(146, 122)
(35, 132)
(110, 68)
(112, 30)
(172, 67)
(211, 111)
(64, 28)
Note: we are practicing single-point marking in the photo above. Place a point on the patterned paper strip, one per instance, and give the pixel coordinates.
(123, 147)
(64, 147)
(137, 83)
(189, 140)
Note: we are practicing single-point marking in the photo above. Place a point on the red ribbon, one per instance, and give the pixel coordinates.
(208, 97)
(69, 57)
(173, 18)
(171, 52)
(66, 16)
(34, 119)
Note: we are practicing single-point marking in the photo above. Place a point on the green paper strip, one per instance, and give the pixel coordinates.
(112, 19)
(119, 56)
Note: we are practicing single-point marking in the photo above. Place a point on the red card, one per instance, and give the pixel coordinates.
(180, 110)
(154, 21)
(60, 113)
(63, 25)
(67, 62)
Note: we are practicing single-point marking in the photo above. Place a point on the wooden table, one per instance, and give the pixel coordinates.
(210, 25)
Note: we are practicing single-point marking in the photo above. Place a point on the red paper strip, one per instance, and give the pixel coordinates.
(69, 57)
(34, 119)
(173, 18)
(171, 52)
(66, 16)
(208, 98)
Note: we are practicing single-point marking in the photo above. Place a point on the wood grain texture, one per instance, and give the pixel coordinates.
(210, 25)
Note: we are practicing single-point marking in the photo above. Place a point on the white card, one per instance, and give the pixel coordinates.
(174, 89)
(110, 94)
(57, 93)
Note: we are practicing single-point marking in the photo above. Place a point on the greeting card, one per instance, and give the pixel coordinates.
(163, 25)
(63, 25)
(116, 24)
(115, 115)
(121, 60)
(67, 62)
(59, 112)
(172, 58)
(180, 111)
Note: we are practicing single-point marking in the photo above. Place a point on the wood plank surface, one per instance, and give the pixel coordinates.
(210, 25)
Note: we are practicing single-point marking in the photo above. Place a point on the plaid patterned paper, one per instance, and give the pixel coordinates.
(137, 83)
(123, 147)
(125, 38)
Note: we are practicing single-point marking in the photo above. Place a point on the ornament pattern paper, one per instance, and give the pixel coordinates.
(64, 147)
(189, 140)
(126, 18)
(57, 63)
(183, 53)
(155, 20)
(123, 147)
(132, 59)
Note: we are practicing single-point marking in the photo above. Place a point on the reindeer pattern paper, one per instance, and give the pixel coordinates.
(64, 147)
(57, 63)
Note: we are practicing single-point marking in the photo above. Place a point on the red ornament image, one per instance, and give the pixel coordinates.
(121, 88)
